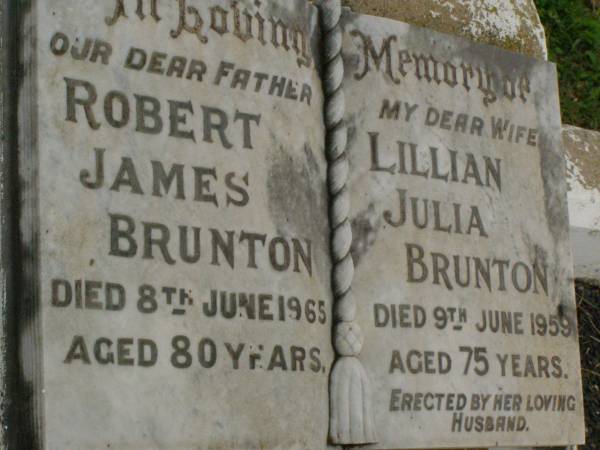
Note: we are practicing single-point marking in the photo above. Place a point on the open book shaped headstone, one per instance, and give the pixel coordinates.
(179, 244)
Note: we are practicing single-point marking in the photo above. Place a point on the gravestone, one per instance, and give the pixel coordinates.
(175, 225)
(185, 282)
(461, 241)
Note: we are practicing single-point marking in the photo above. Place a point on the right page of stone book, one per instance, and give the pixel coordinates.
(463, 264)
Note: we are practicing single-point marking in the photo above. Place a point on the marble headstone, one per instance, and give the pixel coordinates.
(175, 225)
(461, 241)
(176, 270)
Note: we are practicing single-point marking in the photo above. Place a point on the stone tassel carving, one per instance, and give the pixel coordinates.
(351, 417)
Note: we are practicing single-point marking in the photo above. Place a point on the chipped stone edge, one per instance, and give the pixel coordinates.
(4, 216)
(8, 218)
(27, 431)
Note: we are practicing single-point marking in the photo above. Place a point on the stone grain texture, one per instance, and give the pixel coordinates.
(399, 247)
(582, 149)
(510, 24)
(514, 25)
(142, 359)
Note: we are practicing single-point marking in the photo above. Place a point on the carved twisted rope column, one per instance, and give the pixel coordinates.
(351, 418)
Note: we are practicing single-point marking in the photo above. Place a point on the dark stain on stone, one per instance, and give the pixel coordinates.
(365, 227)
(351, 63)
(289, 12)
(313, 164)
(351, 59)
(540, 256)
(569, 313)
(298, 199)
(24, 418)
(553, 166)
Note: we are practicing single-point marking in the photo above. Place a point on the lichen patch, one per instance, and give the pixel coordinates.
(583, 149)
(510, 24)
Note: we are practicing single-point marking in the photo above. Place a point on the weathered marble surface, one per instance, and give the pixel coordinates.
(582, 148)
(513, 195)
(510, 24)
(514, 26)
(242, 155)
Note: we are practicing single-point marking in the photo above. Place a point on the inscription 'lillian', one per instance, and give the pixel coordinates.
(408, 159)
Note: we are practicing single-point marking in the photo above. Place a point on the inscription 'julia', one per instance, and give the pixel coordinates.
(434, 214)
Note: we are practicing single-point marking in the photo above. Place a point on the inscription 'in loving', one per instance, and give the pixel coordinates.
(244, 24)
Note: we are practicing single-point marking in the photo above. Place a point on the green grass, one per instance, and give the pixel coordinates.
(573, 32)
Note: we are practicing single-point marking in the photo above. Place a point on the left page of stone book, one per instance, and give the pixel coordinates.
(176, 272)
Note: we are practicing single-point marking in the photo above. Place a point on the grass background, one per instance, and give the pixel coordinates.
(573, 34)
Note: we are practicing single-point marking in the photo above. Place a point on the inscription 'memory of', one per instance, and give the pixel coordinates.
(399, 63)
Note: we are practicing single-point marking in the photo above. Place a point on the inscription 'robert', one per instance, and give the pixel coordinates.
(151, 115)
